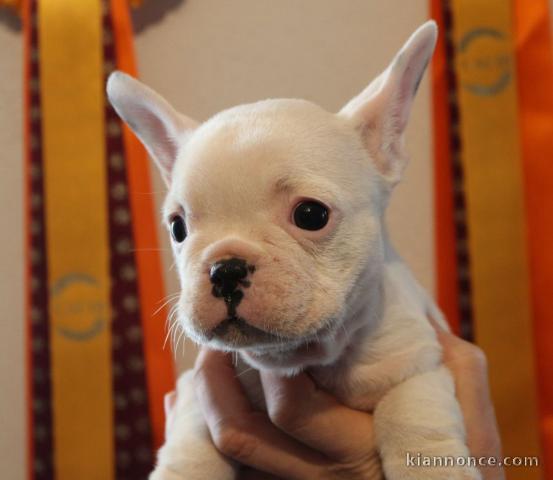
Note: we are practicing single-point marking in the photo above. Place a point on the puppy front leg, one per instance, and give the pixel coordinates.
(420, 421)
(188, 452)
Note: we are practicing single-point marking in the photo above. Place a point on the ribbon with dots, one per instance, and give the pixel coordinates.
(97, 372)
(492, 107)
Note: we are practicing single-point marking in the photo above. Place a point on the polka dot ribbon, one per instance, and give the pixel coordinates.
(97, 372)
(484, 90)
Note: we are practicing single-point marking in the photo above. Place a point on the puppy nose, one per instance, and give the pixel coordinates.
(226, 274)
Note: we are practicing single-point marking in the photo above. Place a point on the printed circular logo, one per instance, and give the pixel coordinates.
(77, 307)
(484, 60)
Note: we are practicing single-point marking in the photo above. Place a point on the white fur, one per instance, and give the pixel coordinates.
(338, 302)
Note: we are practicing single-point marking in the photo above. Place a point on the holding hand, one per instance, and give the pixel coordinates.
(308, 434)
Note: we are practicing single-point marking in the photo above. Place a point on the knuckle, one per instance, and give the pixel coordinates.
(477, 358)
(286, 418)
(234, 442)
(472, 358)
(288, 411)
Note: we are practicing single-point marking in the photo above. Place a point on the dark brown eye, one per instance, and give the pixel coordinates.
(310, 215)
(178, 229)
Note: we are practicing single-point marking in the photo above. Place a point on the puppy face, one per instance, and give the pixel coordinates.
(275, 208)
(263, 187)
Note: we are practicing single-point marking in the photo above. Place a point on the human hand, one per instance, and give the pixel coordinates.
(468, 365)
(306, 433)
(309, 434)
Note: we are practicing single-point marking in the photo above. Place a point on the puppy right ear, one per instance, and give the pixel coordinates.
(381, 111)
(160, 128)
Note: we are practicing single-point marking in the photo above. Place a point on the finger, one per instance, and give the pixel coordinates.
(244, 434)
(455, 349)
(473, 393)
(445, 337)
(468, 364)
(438, 321)
(317, 419)
(435, 324)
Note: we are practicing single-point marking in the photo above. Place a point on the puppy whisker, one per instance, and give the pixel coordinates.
(172, 320)
(170, 332)
(176, 344)
(168, 299)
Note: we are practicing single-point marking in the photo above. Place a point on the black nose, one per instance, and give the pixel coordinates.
(225, 275)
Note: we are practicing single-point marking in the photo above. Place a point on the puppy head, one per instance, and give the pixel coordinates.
(275, 209)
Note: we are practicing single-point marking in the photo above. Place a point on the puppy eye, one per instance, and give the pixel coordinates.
(178, 229)
(310, 215)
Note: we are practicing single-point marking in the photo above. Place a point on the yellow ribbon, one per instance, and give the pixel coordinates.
(77, 237)
(485, 68)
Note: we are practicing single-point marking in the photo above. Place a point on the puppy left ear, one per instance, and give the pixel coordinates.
(159, 126)
(381, 111)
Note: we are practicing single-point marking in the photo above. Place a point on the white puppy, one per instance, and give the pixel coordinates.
(276, 212)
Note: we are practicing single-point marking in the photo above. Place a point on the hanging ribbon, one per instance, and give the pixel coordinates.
(39, 390)
(492, 179)
(159, 366)
(452, 260)
(76, 215)
(535, 89)
(98, 374)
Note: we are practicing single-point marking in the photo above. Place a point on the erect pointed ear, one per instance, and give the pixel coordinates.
(381, 111)
(161, 129)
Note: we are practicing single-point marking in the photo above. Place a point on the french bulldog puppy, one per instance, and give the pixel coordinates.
(276, 212)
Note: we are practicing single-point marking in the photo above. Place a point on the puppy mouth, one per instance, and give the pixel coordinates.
(236, 332)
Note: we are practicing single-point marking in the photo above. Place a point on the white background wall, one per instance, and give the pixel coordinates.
(206, 55)
(12, 421)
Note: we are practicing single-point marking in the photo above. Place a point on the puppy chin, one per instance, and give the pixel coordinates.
(295, 356)
(283, 354)
(230, 334)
